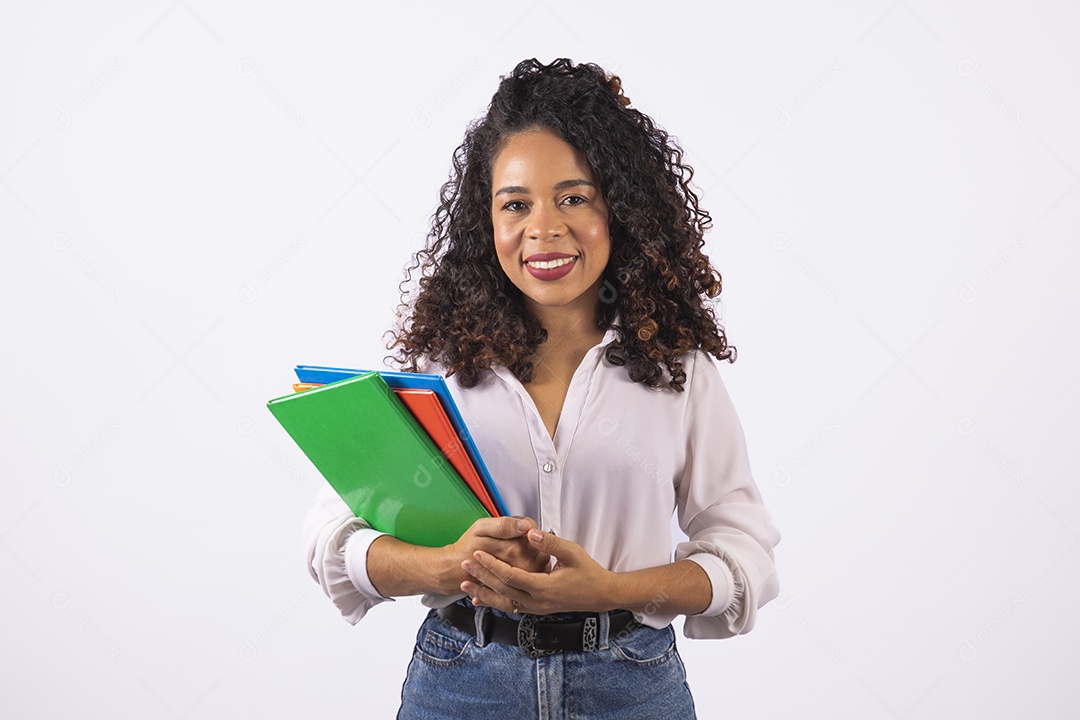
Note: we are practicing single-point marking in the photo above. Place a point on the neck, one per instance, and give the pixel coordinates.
(571, 332)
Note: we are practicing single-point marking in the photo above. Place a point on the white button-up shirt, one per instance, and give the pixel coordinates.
(623, 459)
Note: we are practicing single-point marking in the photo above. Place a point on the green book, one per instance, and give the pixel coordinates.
(380, 461)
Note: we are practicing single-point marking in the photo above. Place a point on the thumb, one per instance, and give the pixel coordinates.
(549, 543)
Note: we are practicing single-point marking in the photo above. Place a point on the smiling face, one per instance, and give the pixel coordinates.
(550, 221)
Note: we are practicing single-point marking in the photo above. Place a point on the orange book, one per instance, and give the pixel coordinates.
(426, 408)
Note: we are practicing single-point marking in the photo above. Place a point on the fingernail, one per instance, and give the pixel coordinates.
(466, 566)
(536, 535)
(522, 526)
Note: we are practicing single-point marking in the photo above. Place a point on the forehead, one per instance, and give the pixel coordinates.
(539, 153)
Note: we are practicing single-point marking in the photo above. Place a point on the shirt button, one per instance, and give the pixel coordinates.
(548, 467)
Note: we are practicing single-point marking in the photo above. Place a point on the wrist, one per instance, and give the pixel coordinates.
(397, 568)
(442, 565)
(617, 595)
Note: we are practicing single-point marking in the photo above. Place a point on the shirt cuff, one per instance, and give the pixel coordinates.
(721, 579)
(356, 550)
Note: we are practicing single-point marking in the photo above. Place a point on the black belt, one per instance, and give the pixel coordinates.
(535, 634)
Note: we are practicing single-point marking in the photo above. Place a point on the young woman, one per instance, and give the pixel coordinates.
(565, 296)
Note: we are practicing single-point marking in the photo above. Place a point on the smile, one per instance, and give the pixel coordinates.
(551, 269)
(550, 264)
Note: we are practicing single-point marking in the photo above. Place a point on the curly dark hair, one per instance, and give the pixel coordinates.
(467, 314)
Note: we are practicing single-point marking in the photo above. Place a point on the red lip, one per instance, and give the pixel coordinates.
(552, 274)
(541, 257)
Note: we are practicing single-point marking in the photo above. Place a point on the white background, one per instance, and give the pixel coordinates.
(194, 198)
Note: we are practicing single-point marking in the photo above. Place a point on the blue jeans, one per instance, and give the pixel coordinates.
(634, 675)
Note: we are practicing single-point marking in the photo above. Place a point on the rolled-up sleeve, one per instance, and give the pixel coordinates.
(335, 545)
(730, 532)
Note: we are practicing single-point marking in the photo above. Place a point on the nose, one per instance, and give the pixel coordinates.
(546, 223)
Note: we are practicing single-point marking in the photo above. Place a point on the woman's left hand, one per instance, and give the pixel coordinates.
(575, 583)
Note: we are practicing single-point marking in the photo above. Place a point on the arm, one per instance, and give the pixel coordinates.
(680, 588)
(730, 532)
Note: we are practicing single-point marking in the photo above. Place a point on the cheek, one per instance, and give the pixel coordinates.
(502, 231)
(600, 240)
(504, 247)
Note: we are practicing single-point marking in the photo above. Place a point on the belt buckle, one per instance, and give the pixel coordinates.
(526, 637)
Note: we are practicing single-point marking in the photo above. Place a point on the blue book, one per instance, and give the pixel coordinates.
(415, 381)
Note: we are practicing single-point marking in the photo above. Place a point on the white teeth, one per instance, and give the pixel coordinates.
(549, 264)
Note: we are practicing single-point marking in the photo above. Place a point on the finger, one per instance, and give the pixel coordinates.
(496, 574)
(486, 575)
(516, 553)
(503, 528)
(485, 596)
(471, 589)
(552, 544)
(526, 518)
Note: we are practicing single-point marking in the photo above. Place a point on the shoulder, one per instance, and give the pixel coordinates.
(699, 364)
(698, 367)
(704, 386)
(702, 372)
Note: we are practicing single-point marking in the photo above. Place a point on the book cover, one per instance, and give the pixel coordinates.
(401, 380)
(374, 453)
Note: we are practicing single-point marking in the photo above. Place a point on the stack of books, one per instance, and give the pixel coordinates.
(394, 447)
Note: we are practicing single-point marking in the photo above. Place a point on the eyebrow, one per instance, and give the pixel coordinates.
(562, 185)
